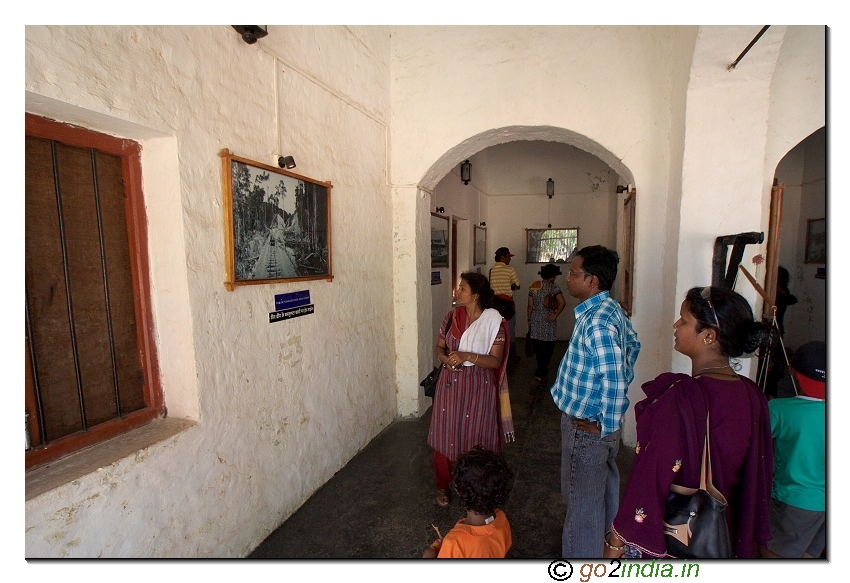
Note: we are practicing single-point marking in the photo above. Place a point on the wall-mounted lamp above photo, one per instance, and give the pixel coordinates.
(482, 224)
(251, 33)
(287, 162)
(621, 189)
(441, 209)
(550, 188)
(466, 172)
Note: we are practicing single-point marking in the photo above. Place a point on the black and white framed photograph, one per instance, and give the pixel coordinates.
(439, 240)
(277, 224)
(479, 254)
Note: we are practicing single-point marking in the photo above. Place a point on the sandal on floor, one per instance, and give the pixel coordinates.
(442, 497)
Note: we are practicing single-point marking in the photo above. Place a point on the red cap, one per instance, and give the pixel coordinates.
(810, 387)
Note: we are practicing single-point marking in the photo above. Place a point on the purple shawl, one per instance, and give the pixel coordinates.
(671, 433)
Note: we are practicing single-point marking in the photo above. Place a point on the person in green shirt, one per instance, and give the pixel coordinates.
(798, 509)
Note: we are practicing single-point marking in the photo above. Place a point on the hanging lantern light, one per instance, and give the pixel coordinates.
(550, 188)
(466, 172)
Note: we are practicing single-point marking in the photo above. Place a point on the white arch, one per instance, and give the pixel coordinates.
(492, 137)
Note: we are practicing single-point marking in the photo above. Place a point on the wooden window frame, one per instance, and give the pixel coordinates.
(130, 154)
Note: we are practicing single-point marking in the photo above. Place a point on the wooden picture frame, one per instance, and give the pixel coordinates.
(277, 224)
(479, 253)
(439, 240)
(816, 241)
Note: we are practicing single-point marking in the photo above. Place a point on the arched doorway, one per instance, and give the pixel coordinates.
(506, 196)
(797, 238)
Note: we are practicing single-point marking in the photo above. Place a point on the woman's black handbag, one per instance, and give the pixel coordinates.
(429, 383)
(695, 519)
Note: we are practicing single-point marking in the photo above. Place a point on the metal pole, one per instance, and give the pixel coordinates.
(749, 46)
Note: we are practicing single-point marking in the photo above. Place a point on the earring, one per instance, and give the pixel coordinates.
(707, 340)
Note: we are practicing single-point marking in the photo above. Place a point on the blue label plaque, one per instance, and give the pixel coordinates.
(291, 300)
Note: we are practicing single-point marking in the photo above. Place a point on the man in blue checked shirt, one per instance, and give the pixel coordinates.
(593, 380)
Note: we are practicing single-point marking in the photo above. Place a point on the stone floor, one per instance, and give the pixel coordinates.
(381, 504)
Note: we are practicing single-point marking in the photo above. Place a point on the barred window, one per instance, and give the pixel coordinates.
(90, 362)
(550, 245)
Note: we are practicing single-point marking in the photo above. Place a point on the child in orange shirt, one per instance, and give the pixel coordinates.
(483, 482)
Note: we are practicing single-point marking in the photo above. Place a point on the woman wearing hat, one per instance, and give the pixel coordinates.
(545, 303)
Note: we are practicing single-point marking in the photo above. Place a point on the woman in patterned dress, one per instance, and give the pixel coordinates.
(466, 409)
(543, 319)
(715, 325)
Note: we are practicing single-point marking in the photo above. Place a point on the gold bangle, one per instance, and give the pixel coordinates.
(609, 545)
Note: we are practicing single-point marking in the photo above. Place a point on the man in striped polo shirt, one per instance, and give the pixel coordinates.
(504, 280)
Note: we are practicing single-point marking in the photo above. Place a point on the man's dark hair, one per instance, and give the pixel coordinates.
(601, 262)
(501, 252)
(482, 479)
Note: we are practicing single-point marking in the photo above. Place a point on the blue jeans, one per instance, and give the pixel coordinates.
(590, 485)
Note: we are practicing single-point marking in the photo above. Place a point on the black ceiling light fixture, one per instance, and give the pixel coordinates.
(251, 33)
(550, 188)
(466, 172)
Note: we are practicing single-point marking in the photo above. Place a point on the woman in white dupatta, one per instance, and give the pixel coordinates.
(471, 403)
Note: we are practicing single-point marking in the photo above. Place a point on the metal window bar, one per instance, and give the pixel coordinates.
(64, 242)
(33, 364)
(109, 324)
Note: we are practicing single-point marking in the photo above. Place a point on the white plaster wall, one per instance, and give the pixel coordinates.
(722, 174)
(606, 90)
(281, 407)
(738, 124)
(797, 92)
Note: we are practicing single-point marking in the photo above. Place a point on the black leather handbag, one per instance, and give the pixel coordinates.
(695, 518)
(429, 383)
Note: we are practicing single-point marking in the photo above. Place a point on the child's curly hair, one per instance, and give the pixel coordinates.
(482, 479)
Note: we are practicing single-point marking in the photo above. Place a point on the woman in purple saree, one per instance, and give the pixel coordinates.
(716, 324)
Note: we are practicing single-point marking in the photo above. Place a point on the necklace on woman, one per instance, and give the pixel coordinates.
(702, 370)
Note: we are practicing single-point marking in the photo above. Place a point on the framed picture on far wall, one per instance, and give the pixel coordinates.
(480, 251)
(439, 240)
(550, 245)
(277, 224)
(816, 241)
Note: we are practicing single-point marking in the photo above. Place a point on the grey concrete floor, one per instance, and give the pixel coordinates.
(381, 504)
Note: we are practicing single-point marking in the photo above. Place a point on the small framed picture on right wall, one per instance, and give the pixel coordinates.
(816, 241)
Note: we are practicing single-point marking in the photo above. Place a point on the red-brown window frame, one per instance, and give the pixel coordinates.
(130, 154)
